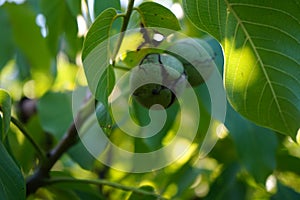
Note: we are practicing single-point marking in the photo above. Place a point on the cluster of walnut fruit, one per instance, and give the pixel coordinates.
(162, 78)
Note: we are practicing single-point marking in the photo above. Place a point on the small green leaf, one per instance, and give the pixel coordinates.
(12, 184)
(104, 118)
(55, 113)
(133, 58)
(250, 141)
(156, 15)
(5, 110)
(262, 66)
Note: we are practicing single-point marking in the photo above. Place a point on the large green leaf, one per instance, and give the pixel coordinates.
(55, 113)
(96, 55)
(12, 184)
(28, 38)
(250, 141)
(156, 15)
(5, 109)
(261, 40)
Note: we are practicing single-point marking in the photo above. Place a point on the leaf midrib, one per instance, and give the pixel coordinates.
(260, 61)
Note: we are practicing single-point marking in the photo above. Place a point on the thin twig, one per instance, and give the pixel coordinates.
(103, 182)
(123, 29)
(38, 149)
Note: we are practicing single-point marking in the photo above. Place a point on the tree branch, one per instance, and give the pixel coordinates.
(37, 180)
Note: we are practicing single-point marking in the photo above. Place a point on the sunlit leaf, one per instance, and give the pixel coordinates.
(5, 112)
(156, 15)
(133, 58)
(12, 184)
(262, 66)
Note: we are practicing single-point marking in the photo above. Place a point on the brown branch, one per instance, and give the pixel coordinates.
(38, 179)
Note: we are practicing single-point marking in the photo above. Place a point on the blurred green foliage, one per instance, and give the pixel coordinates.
(41, 44)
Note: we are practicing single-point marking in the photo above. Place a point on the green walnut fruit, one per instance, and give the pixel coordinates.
(158, 79)
(196, 56)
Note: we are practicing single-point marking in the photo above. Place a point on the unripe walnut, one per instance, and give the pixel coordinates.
(158, 79)
(196, 56)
